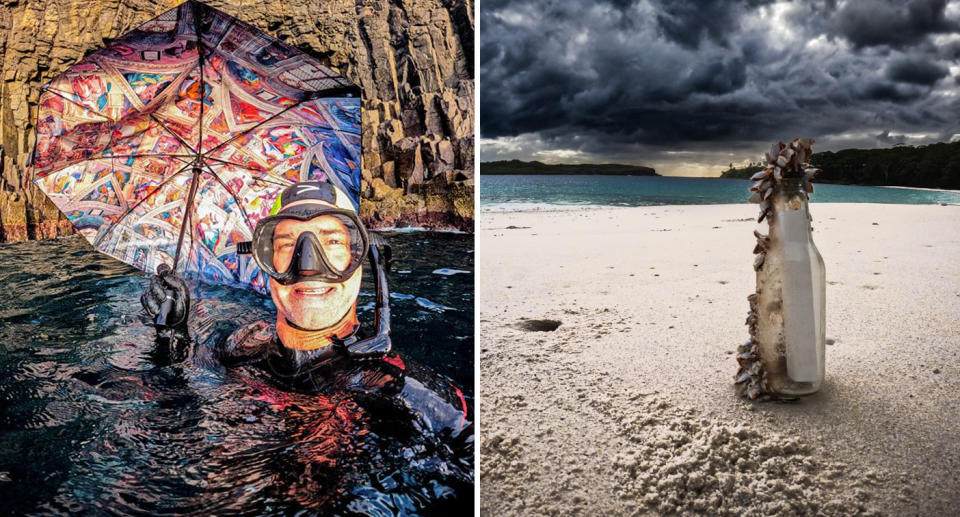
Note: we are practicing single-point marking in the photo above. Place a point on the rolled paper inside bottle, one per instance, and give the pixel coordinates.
(800, 298)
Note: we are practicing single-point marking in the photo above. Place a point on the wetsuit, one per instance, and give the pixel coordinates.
(327, 370)
(363, 437)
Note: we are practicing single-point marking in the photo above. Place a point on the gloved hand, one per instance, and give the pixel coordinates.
(167, 299)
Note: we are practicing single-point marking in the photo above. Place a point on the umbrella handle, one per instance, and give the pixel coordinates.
(165, 309)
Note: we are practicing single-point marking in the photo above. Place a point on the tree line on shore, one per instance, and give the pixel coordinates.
(926, 166)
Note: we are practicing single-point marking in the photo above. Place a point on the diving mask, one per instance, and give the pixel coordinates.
(310, 242)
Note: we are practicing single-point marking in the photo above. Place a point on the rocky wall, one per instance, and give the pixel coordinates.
(413, 59)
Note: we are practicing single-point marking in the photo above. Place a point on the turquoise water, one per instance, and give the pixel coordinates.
(529, 191)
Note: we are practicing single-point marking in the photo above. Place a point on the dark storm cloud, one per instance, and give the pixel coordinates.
(648, 80)
(871, 22)
(688, 23)
(916, 71)
(884, 91)
(950, 51)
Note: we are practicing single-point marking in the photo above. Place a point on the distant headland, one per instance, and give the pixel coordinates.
(594, 169)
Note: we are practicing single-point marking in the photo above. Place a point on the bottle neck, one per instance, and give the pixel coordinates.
(791, 186)
(790, 191)
(788, 197)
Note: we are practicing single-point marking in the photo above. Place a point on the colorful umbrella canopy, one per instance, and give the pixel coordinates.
(168, 145)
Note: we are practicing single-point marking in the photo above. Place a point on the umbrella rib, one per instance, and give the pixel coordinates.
(111, 157)
(243, 211)
(244, 132)
(329, 116)
(262, 179)
(228, 162)
(106, 119)
(175, 135)
(138, 203)
(102, 157)
(245, 167)
(60, 94)
(270, 181)
(84, 108)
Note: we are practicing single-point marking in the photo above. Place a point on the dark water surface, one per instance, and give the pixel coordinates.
(90, 422)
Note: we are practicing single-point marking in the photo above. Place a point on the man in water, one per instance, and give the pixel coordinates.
(312, 248)
(346, 403)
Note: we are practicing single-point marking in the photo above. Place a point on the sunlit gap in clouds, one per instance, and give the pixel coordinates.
(667, 162)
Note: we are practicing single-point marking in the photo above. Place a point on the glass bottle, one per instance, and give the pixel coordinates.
(792, 333)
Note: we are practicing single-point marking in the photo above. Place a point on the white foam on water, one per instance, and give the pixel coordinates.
(433, 306)
(414, 229)
(448, 272)
(543, 207)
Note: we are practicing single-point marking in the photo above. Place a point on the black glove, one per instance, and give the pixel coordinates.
(167, 299)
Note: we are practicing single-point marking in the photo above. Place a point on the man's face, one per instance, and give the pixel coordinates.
(314, 304)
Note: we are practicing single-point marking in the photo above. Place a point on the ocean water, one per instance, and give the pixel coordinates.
(520, 192)
(91, 422)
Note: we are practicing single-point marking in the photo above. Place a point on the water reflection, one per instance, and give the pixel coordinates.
(90, 420)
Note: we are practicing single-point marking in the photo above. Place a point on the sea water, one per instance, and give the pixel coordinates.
(90, 423)
(530, 192)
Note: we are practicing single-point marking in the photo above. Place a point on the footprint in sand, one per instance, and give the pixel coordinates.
(539, 325)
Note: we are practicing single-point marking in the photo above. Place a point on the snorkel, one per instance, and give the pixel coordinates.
(312, 247)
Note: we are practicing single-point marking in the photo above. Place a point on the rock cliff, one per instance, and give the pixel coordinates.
(413, 59)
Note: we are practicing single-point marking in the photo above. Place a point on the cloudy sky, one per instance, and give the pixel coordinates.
(689, 87)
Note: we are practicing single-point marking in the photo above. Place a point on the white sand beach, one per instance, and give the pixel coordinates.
(628, 406)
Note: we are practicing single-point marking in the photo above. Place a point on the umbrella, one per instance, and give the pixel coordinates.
(168, 145)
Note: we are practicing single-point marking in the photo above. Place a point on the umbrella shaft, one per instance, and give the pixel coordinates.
(186, 213)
